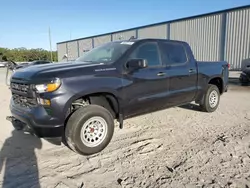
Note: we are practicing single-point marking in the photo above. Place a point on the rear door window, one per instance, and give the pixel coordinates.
(173, 53)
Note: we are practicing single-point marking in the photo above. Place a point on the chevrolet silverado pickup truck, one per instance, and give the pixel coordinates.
(80, 101)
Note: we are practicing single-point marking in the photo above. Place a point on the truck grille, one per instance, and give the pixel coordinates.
(24, 101)
(21, 95)
(20, 87)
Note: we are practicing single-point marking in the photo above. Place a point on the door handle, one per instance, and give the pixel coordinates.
(191, 70)
(161, 74)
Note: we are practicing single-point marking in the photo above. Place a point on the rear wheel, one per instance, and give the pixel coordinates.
(211, 99)
(89, 129)
(243, 80)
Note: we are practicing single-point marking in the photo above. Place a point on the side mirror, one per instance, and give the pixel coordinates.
(137, 63)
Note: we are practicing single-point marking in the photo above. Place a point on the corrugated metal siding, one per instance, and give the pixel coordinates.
(61, 51)
(206, 36)
(237, 37)
(124, 35)
(202, 34)
(159, 31)
(101, 40)
(72, 50)
(85, 44)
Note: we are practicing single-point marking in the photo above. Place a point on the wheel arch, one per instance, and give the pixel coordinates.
(97, 97)
(217, 81)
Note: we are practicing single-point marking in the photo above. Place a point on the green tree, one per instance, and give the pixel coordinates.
(23, 54)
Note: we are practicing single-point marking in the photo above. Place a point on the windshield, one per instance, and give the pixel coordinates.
(106, 53)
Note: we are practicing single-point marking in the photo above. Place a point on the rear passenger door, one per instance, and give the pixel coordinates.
(181, 72)
(148, 87)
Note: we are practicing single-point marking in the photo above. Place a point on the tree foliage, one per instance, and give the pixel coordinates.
(24, 54)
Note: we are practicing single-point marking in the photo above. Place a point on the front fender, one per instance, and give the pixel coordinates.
(103, 82)
(91, 92)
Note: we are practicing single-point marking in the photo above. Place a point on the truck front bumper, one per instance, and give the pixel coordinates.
(38, 121)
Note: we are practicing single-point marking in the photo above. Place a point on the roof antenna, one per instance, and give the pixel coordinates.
(132, 37)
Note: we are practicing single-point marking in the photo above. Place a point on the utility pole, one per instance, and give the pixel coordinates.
(51, 55)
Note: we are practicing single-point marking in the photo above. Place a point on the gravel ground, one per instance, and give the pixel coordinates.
(177, 147)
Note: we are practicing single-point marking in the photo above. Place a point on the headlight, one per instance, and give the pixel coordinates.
(48, 87)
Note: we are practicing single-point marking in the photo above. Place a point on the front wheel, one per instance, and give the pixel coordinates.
(211, 99)
(89, 129)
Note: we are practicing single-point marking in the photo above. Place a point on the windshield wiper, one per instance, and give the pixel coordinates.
(88, 61)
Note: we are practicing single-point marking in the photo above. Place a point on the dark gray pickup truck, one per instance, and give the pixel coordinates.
(79, 101)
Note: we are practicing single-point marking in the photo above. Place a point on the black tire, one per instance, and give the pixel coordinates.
(244, 82)
(76, 122)
(206, 105)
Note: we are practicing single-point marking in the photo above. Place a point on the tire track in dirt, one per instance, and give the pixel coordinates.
(176, 147)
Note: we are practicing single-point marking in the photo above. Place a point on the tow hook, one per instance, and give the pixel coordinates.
(10, 118)
(17, 124)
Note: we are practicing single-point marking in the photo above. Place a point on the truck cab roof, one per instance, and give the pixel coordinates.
(148, 39)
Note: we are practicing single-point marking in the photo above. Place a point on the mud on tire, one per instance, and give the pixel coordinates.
(89, 129)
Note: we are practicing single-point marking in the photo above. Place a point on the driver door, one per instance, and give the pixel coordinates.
(146, 89)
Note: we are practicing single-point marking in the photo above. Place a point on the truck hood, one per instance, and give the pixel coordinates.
(31, 72)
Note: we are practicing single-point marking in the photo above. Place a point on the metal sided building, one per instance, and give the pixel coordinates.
(217, 36)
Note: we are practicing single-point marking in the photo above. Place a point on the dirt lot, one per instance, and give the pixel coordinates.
(177, 147)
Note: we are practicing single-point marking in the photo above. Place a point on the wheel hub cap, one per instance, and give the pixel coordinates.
(213, 99)
(94, 131)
